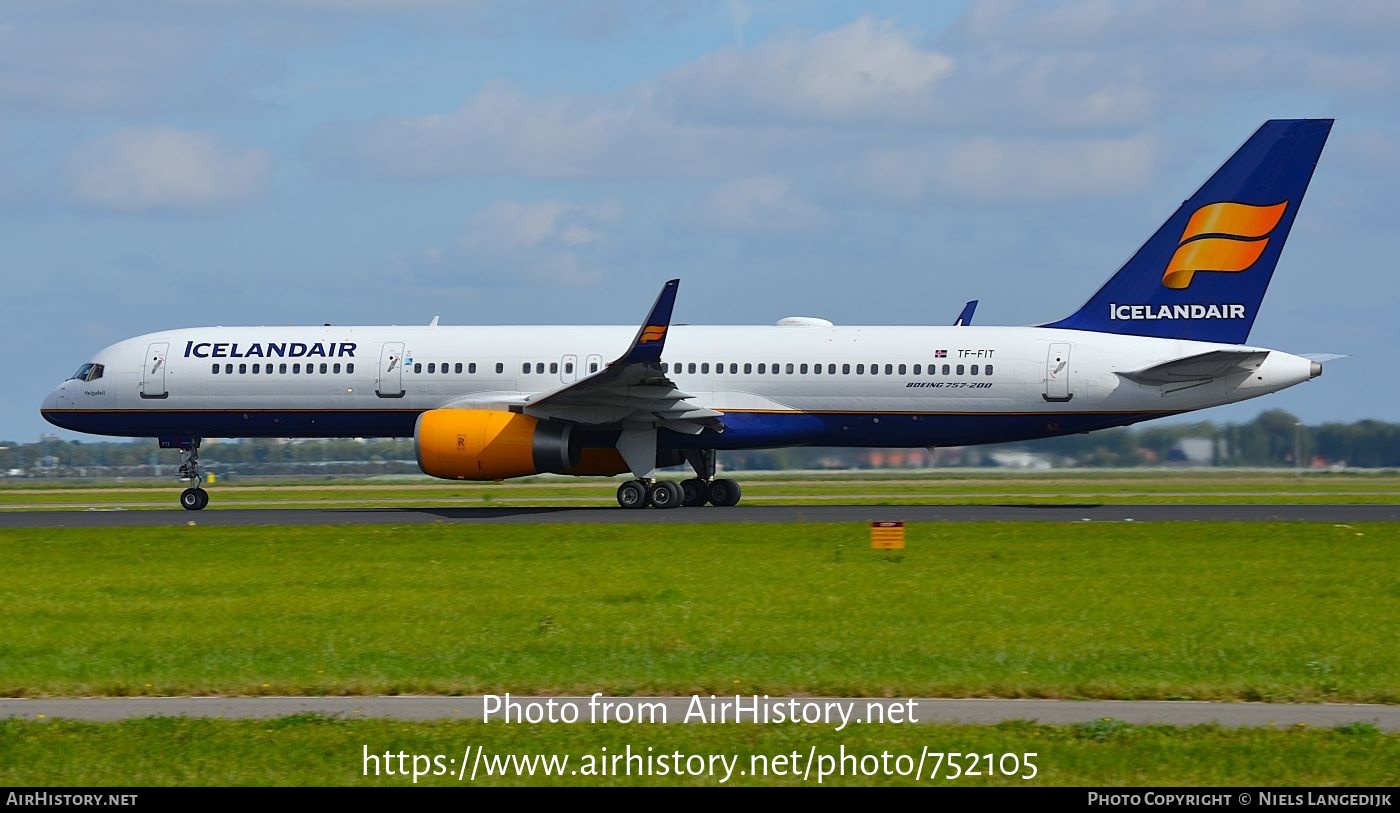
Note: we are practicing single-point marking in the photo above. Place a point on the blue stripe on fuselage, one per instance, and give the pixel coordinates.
(743, 430)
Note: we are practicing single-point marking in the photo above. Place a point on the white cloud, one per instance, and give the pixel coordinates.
(546, 241)
(759, 204)
(867, 69)
(165, 169)
(1009, 170)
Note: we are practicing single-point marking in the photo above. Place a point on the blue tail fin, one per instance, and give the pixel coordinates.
(1203, 274)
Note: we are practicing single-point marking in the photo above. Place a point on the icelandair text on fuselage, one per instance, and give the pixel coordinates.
(1128, 312)
(269, 350)
(712, 709)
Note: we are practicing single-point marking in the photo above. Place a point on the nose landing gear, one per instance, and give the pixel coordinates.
(193, 498)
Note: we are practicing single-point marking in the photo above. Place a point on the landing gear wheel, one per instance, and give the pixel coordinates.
(694, 492)
(632, 494)
(724, 493)
(194, 499)
(664, 494)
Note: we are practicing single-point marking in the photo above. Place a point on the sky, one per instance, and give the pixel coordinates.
(177, 163)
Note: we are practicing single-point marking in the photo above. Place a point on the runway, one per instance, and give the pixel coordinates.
(790, 514)
(682, 710)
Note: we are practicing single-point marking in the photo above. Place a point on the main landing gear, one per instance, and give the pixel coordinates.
(193, 498)
(696, 491)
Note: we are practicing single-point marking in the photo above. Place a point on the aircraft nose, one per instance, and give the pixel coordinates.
(54, 400)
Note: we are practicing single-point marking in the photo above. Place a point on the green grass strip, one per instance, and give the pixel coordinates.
(1248, 611)
(322, 751)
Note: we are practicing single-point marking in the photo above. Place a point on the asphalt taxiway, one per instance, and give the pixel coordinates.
(612, 515)
(680, 709)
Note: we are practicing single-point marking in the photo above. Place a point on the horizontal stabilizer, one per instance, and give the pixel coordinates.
(1199, 368)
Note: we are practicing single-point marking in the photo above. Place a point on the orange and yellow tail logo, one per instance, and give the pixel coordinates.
(1241, 226)
(652, 333)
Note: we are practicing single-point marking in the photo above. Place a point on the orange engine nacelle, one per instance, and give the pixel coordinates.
(467, 444)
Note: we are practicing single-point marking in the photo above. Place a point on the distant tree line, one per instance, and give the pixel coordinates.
(1274, 438)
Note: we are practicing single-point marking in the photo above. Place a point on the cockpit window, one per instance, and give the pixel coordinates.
(88, 372)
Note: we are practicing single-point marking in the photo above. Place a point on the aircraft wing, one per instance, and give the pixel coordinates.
(632, 389)
(1199, 368)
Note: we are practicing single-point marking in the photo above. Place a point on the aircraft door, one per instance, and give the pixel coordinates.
(390, 384)
(568, 369)
(153, 371)
(1057, 383)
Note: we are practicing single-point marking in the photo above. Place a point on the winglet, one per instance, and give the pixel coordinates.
(651, 337)
(965, 318)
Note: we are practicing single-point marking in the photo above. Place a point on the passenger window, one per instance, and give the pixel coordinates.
(323, 368)
(704, 367)
(257, 368)
(889, 369)
(762, 368)
(336, 368)
(593, 367)
(901, 369)
(242, 369)
(988, 369)
(457, 368)
(282, 368)
(691, 367)
(268, 369)
(748, 368)
(946, 369)
(310, 368)
(296, 369)
(831, 369)
(568, 367)
(860, 369)
(918, 368)
(471, 368)
(845, 369)
(960, 369)
(817, 369)
(802, 369)
(500, 367)
(525, 368)
(539, 368)
(432, 367)
(554, 367)
(874, 369)
(216, 369)
(974, 369)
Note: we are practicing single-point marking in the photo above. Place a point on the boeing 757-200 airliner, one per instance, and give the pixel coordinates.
(1164, 335)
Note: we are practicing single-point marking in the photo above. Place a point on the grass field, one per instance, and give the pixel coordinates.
(319, 751)
(936, 487)
(1249, 611)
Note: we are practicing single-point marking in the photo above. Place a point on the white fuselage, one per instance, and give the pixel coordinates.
(775, 385)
